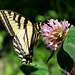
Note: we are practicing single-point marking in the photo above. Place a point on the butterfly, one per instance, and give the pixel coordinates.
(25, 33)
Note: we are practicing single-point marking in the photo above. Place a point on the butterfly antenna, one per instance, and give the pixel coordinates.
(50, 57)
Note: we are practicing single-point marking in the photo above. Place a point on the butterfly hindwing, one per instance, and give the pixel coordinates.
(22, 44)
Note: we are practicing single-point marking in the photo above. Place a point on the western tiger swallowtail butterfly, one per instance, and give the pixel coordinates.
(25, 33)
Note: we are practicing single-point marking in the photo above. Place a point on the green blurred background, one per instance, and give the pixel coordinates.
(35, 10)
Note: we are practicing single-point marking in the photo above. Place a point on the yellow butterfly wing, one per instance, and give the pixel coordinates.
(25, 33)
(13, 21)
(21, 43)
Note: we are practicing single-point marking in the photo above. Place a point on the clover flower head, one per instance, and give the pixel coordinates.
(53, 32)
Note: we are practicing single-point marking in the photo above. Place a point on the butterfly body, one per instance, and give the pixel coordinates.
(25, 33)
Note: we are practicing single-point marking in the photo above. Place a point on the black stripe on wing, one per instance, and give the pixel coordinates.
(19, 18)
(20, 57)
(38, 26)
(32, 40)
(25, 22)
(14, 16)
(7, 22)
(18, 46)
(9, 12)
(18, 53)
(23, 62)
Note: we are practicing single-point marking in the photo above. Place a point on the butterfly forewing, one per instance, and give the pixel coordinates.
(13, 21)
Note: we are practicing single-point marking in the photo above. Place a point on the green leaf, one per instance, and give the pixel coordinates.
(64, 60)
(69, 43)
(35, 68)
(58, 72)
